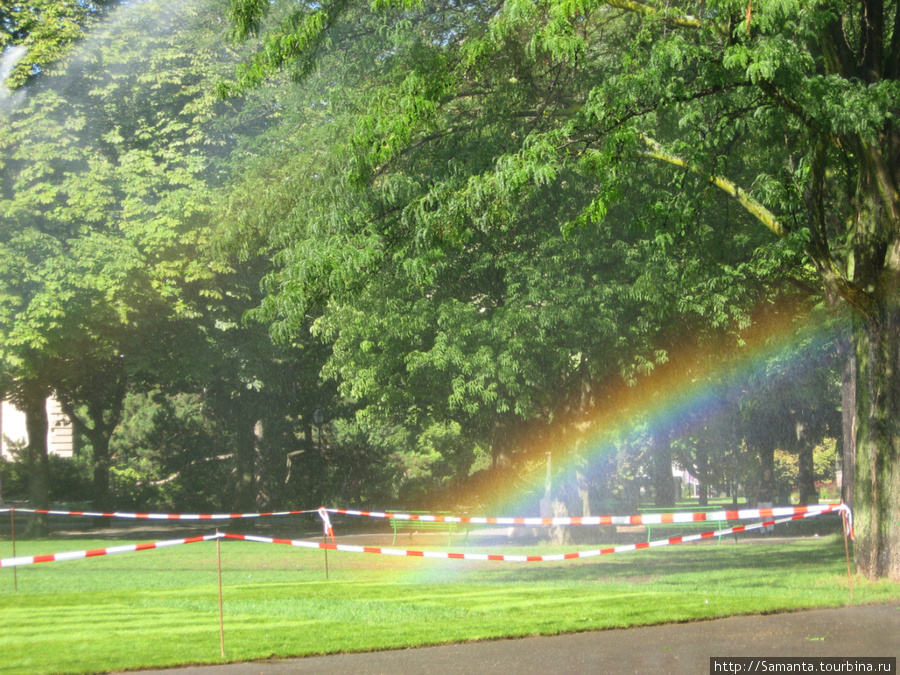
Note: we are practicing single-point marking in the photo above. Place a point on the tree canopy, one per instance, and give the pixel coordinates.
(388, 253)
(45, 31)
(104, 187)
(788, 109)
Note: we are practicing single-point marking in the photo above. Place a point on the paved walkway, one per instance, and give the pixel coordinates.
(868, 630)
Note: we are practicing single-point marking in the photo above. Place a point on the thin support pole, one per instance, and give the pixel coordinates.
(221, 612)
(325, 539)
(847, 553)
(12, 522)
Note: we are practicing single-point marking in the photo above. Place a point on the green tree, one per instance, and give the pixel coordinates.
(102, 194)
(262, 395)
(789, 108)
(498, 309)
(45, 31)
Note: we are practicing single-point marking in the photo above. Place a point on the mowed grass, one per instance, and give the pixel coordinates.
(160, 608)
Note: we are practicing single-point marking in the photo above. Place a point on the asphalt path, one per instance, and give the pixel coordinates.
(671, 649)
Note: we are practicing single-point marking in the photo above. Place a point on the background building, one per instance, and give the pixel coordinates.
(13, 434)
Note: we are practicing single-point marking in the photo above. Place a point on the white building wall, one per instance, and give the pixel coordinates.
(13, 433)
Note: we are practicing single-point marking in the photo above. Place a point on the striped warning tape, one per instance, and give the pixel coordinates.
(644, 519)
(165, 516)
(77, 555)
(348, 548)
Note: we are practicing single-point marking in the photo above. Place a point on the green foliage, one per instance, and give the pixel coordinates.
(69, 480)
(105, 193)
(13, 479)
(48, 30)
(824, 459)
(501, 255)
(102, 185)
(167, 454)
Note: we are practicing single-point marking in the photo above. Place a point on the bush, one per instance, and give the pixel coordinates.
(13, 480)
(70, 479)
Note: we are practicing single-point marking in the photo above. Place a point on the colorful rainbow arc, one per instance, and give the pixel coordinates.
(689, 389)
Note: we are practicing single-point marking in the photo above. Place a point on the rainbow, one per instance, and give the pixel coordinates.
(691, 387)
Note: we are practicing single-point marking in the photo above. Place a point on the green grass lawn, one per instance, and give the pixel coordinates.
(160, 608)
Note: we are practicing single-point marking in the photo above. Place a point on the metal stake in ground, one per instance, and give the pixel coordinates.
(12, 523)
(221, 614)
(847, 552)
(325, 539)
(328, 531)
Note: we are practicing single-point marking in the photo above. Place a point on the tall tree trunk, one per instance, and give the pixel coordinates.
(663, 481)
(98, 426)
(848, 415)
(559, 534)
(877, 481)
(34, 405)
(583, 488)
(876, 272)
(266, 484)
(806, 478)
(101, 469)
(703, 473)
(245, 476)
(767, 490)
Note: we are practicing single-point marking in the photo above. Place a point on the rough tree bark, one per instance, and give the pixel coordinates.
(663, 481)
(97, 421)
(806, 479)
(34, 405)
(875, 279)
(848, 414)
(877, 480)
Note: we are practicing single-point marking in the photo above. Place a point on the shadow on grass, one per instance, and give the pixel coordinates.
(752, 564)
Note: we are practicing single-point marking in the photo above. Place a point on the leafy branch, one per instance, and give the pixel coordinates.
(744, 198)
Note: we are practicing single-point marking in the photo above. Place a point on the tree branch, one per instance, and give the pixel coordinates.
(820, 254)
(871, 39)
(838, 54)
(820, 251)
(892, 64)
(685, 21)
(752, 206)
(788, 104)
(177, 474)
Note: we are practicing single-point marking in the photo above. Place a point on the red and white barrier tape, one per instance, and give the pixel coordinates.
(77, 555)
(166, 516)
(645, 519)
(326, 522)
(519, 558)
